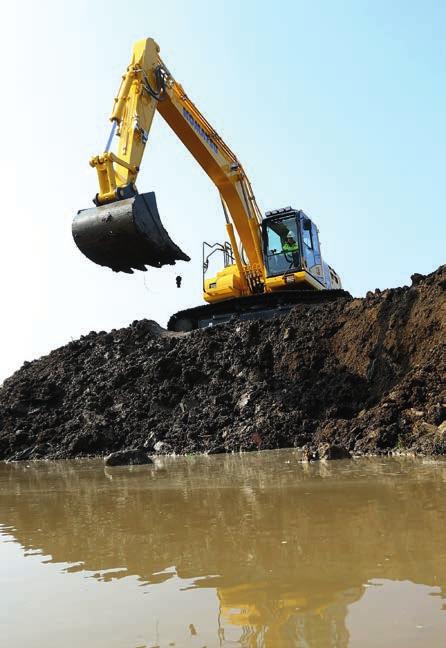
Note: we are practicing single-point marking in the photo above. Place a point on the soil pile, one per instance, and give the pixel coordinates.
(365, 374)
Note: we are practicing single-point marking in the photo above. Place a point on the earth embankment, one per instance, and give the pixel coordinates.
(366, 374)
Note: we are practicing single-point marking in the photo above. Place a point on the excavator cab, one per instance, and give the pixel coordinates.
(291, 244)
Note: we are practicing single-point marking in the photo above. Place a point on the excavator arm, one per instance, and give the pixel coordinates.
(105, 233)
(132, 117)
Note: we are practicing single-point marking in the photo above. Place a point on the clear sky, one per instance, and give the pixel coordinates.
(333, 107)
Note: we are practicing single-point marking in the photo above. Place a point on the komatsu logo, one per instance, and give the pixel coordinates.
(196, 126)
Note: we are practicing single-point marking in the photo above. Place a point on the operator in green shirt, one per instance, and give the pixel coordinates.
(290, 244)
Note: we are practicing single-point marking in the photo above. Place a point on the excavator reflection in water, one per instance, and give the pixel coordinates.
(261, 275)
(287, 548)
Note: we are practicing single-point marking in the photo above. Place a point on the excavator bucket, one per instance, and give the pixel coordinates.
(126, 235)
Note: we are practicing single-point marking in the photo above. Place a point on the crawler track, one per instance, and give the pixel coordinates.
(263, 306)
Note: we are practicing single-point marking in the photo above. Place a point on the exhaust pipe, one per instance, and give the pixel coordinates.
(126, 235)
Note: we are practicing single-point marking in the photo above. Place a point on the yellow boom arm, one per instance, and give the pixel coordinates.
(147, 86)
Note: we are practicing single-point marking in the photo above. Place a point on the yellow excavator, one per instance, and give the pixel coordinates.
(270, 262)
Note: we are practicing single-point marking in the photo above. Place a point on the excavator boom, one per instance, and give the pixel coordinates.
(124, 231)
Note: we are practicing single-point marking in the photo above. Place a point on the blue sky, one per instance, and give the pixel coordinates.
(333, 107)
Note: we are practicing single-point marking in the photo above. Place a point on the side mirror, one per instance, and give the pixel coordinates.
(307, 224)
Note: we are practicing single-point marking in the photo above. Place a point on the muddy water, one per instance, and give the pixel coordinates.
(252, 550)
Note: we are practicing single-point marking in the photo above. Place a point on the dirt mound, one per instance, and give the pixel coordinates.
(366, 374)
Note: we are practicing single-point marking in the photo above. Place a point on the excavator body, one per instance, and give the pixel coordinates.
(293, 275)
(296, 266)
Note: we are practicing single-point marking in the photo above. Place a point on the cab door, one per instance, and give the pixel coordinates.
(311, 250)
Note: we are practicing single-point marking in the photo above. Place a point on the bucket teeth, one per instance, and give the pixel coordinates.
(126, 235)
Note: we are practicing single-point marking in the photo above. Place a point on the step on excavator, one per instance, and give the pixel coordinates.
(270, 262)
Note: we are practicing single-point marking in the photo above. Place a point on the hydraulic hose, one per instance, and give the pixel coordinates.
(158, 94)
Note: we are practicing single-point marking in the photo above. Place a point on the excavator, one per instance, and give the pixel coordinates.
(270, 262)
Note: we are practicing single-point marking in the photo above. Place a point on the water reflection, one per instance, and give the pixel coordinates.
(287, 547)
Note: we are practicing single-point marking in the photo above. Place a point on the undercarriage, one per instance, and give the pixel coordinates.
(262, 306)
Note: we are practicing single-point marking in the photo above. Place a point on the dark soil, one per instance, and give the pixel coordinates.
(366, 375)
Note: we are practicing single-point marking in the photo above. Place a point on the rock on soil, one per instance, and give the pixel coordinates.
(333, 451)
(128, 458)
(363, 374)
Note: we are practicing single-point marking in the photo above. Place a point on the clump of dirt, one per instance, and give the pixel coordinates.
(363, 374)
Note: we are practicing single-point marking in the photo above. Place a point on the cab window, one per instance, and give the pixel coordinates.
(308, 249)
(306, 237)
(282, 245)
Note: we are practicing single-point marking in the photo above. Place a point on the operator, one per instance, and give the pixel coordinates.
(290, 244)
